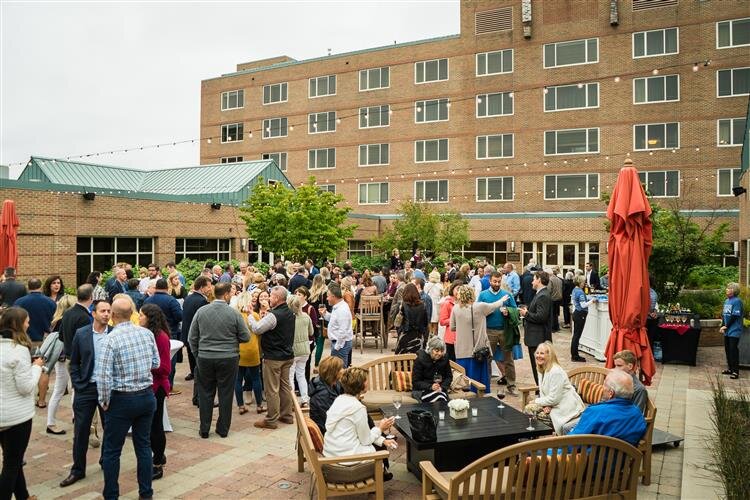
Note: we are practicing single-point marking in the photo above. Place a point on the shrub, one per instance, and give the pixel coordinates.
(707, 303)
(711, 276)
(730, 416)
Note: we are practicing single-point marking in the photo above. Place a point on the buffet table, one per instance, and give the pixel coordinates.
(679, 342)
(596, 330)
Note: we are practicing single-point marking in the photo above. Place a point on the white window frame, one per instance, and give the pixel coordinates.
(367, 116)
(486, 54)
(486, 179)
(679, 177)
(447, 71)
(664, 78)
(283, 157)
(732, 173)
(330, 188)
(267, 124)
(423, 104)
(380, 69)
(318, 151)
(487, 137)
(380, 193)
(731, 131)
(586, 89)
(665, 136)
(485, 98)
(239, 134)
(230, 159)
(424, 190)
(316, 78)
(731, 79)
(731, 45)
(221, 105)
(281, 85)
(586, 45)
(367, 149)
(448, 150)
(645, 42)
(587, 129)
(587, 174)
(328, 120)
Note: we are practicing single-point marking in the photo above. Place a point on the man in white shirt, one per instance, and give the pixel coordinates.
(339, 324)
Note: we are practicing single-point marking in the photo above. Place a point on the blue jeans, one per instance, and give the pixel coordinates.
(126, 410)
(343, 353)
(251, 374)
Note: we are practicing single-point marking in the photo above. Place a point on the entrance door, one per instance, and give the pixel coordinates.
(561, 254)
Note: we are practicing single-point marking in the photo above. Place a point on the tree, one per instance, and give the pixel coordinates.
(439, 233)
(297, 223)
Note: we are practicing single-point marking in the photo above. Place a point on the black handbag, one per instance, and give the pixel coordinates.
(481, 354)
(423, 427)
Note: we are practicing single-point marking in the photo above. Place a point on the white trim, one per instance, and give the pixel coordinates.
(324, 188)
(380, 144)
(263, 96)
(380, 193)
(263, 131)
(367, 116)
(731, 79)
(586, 49)
(598, 186)
(448, 148)
(665, 136)
(513, 146)
(598, 142)
(585, 86)
(241, 134)
(665, 195)
(424, 189)
(447, 68)
(359, 81)
(316, 78)
(424, 105)
(221, 100)
(278, 164)
(476, 62)
(731, 182)
(731, 46)
(486, 98)
(335, 116)
(664, 78)
(316, 150)
(476, 189)
(731, 132)
(645, 44)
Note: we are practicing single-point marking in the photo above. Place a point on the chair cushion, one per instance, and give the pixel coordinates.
(374, 400)
(462, 394)
(348, 473)
(460, 381)
(315, 434)
(401, 381)
(590, 392)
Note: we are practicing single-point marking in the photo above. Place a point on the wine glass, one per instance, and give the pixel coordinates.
(397, 399)
(501, 396)
(532, 420)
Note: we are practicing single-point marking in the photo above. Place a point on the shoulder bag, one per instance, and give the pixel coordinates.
(481, 354)
(399, 319)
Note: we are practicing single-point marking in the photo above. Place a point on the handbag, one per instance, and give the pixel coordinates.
(422, 423)
(399, 319)
(481, 354)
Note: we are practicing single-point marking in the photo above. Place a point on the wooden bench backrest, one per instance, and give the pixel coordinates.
(578, 469)
(379, 370)
(595, 374)
(305, 441)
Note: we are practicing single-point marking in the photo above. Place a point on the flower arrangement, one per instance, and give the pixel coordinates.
(459, 408)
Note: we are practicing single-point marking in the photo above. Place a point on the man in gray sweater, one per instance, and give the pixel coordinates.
(215, 334)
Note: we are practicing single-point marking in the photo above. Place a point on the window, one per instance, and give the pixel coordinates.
(232, 132)
(321, 158)
(494, 146)
(731, 131)
(435, 110)
(215, 249)
(431, 71)
(572, 141)
(274, 93)
(494, 252)
(573, 186)
(232, 100)
(495, 189)
(733, 33)
(359, 248)
(433, 150)
(323, 86)
(498, 104)
(101, 253)
(727, 179)
(656, 136)
(274, 127)
(656, 89)
(571, 53)
(373, 79)
(327, 188)
(656, 43)
(279, 158)
(373, 193)
(373, 154)
(231, 159)
(567, 97)
(495, 63)
(431, 191)
(664, 184)
(375, 116)
(532, 250)
(319, 123)
(733, 82)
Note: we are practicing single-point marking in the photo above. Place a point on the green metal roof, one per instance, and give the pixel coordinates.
(229, 183)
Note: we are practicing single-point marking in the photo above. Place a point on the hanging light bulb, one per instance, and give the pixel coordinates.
(617, 79)
(291, 128)
(512, 95)
(250, 135)
(229, 139)
(207, 140)
(479, 100)
(546, 90)
(695, 67)
(655, 72)
(580, 85)
(338, 120)
(419, 109)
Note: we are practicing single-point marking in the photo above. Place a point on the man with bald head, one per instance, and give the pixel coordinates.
(123, 380)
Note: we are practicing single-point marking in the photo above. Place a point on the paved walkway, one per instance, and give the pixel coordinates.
(254, 463)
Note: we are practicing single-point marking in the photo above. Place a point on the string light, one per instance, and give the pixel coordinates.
(617, 79)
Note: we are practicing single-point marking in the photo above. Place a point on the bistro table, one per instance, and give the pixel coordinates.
(460, 442)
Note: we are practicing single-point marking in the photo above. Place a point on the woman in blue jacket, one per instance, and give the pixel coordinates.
(731, 318)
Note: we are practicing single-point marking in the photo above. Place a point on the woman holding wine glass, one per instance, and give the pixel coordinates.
(431, 374)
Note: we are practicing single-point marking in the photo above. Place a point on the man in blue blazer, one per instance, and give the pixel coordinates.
(87, 346)
(173, 312)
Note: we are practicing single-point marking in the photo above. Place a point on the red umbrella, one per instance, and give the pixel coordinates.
(630, 242)
(8, 229)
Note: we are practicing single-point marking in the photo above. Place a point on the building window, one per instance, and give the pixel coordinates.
(323, 86)
(588, 252)
(327, 188)
(733, 82)
(727, 178)
(532, 250)
(435, 110)
(321, 158)
(274, 127)
(431, 71)
(279, 158)
(373, 193)
(571, 53)
(431, 191)
(733, 33)
(495, 189)
(100, 254)
(495, 63)
(567, 97)
(664, 184)
(319, 123)
(274, 93)
(730, 131)
(375, 78)
(215, 249)
(233, 99)
(656, 89)
(498, 104)
(358, 248)
(494, 146)
(373, 154)
(656, 136)
(432, 150)
(494, 252)
(231, 159)
(573, 186)
(656, 43)
(375, 116)
(232, 132)
(571, 141)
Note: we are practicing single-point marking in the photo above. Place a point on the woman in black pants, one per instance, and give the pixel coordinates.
(580, 311)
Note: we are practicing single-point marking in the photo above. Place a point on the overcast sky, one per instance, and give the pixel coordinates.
(86, 77)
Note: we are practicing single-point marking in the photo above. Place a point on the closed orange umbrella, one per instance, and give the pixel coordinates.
(630, 243)
(8, 229)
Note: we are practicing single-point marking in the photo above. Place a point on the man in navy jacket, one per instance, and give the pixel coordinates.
(40, 308)
(173, 312)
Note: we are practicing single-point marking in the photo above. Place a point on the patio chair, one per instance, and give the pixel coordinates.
(370, 314)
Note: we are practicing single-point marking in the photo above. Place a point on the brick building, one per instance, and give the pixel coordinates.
(521, 122)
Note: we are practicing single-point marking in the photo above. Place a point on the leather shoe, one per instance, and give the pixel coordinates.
(222, 434)
(579, 359)
(189, 376)
(263, 424)
(158, 473)
(56, 432)
(204, 435)
(286, 420)
(70, 480)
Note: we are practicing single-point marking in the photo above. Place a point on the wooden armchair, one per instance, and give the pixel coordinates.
(581, 466)
(371, 313)
(645, 444)
(323, 469)
(595, 374)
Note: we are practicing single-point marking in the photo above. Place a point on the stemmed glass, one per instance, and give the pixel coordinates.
(532, 420)
(501, 396)
(397, 404)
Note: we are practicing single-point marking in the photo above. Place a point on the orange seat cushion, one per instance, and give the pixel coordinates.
(315, 434)
(590, 392)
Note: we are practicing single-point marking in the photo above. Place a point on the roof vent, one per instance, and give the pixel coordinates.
(492, 21)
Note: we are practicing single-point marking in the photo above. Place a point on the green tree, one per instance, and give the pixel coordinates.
(297, 223)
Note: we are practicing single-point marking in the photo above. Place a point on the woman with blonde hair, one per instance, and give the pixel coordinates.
(434, 289)
(174, 285)
(303, 333)
(62, 372)
(248, 372)
(318, 297)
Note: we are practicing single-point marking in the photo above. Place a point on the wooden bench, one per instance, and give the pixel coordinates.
(581, 466)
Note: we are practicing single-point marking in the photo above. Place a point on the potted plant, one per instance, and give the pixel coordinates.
(459, 408)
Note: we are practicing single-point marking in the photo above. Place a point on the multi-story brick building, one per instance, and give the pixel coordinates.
(521, 122)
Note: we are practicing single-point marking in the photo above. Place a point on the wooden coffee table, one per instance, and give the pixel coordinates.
(460, 442)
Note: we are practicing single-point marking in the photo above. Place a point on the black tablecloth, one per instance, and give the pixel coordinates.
(675, 347)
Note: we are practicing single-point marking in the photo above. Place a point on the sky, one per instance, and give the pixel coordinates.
(90, 77)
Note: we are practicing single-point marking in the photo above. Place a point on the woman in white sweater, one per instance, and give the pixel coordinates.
(558, 402)
(18, 381)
